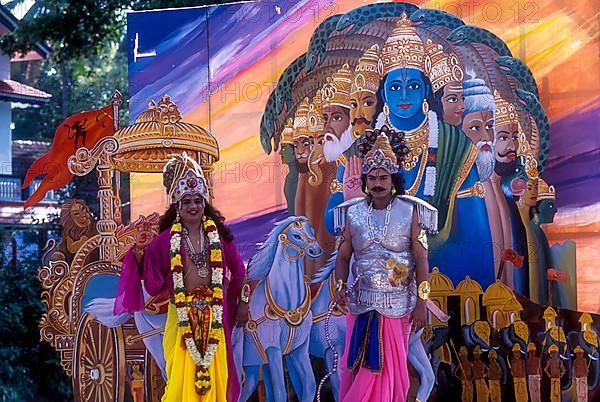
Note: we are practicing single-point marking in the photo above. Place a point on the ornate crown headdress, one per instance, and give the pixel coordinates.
(287, 134)
(300, 125)
(391, 144)
(524, 150)
(440, 67)
(336, 91)
(403, 48)
(545, 191)
(315, 115)
(183, 176)
(382, 148)
(366, 77)
(506, 112)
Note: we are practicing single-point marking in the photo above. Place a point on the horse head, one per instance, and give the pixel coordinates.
(295, 236)
(298, 240)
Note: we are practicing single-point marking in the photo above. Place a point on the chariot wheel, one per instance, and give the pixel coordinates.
(99, 362)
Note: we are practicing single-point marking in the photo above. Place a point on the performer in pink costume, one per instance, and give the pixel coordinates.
(386, 234)
(150, 261)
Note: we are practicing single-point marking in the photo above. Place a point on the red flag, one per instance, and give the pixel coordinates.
(81, 130)
(556, 275)
(511, 255)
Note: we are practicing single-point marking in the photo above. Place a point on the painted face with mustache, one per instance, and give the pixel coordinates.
(362, 109)
(507, 142)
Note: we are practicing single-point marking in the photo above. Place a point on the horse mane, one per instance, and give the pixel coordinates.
(261, 262)
(326, 270)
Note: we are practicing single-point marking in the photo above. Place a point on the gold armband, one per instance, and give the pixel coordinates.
(424, 290)
(339, 285)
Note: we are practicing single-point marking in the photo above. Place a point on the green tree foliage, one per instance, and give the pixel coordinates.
(29, 369)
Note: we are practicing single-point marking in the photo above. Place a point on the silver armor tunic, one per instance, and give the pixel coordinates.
(374, 289)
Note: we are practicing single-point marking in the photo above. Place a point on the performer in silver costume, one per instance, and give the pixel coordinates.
(386, 234)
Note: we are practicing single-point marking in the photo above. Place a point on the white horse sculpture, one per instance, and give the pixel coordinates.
(280, 316)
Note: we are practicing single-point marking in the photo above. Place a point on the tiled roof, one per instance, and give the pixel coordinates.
(14, 91)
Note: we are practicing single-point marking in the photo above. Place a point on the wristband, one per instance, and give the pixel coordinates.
(424, 290)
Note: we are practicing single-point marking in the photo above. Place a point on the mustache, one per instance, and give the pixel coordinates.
(377, 188)
(506, 154)
(361, 120)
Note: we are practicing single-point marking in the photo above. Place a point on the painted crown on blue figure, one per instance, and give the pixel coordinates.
(402, 49)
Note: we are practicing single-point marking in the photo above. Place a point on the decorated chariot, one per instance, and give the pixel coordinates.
(103, 362)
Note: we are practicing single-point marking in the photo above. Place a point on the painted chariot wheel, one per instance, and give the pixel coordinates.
(99, 362)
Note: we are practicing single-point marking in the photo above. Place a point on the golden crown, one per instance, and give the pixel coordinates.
(553, 348)
(315, 114)
(287, 135)
(524, 150)
(545, 191)
(403, 48)
(505, 111)
(366, 76)
(441, 68)
(336, 91)
(300, 126)
(531, 347)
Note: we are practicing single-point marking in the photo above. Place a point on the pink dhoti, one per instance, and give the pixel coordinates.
(391, 384)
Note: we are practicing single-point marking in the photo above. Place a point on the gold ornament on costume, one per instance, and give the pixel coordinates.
(424, 290)
(403, 48)
(300, 126)
(366, 77)
(441, 68)
(336, 91)
(506, 112)
(287, 135)
(545, 191)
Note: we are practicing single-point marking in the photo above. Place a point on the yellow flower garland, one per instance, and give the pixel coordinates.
(203, 362)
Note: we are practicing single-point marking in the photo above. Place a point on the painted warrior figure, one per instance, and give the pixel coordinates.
(580, 372)
(193, 261)
(465, 367)
(554, 370)
(495, 376)
(517, 366)
(480, 372)
(385, 232)
(534, 374)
